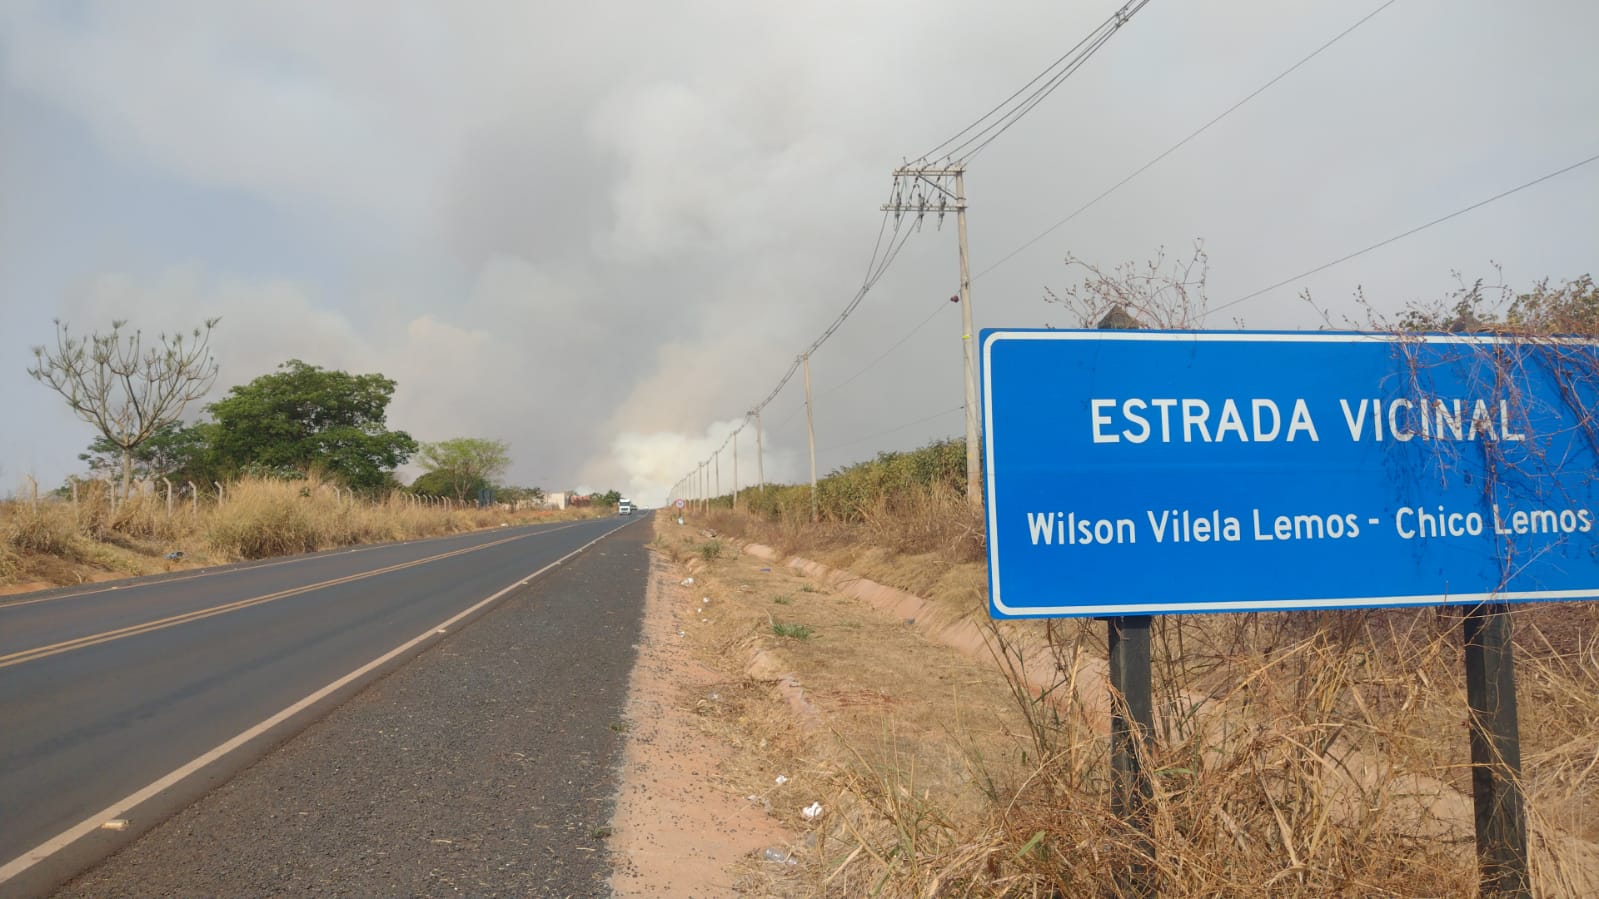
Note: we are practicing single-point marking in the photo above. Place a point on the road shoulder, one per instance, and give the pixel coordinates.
(680, 827)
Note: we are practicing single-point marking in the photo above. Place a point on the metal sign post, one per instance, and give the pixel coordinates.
(1132, 719)
(1132, 730)
(1500, 813)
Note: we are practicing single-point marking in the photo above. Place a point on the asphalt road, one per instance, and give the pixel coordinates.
(104, 692)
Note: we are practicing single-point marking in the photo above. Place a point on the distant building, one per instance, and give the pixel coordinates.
(555, 500)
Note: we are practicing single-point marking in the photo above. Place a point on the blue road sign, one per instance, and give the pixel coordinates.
(1154, 472)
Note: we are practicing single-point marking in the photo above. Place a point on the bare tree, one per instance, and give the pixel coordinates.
(1154, 294)
(127, 390)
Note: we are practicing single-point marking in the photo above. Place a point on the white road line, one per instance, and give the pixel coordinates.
(117, 809)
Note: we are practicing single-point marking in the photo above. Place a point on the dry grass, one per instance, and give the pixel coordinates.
(875, 703)
(1298, 754)
(58, 542)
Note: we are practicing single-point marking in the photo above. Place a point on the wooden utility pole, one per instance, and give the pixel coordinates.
(716, 467)
(810, 434)
(735, 469)
(941, 189)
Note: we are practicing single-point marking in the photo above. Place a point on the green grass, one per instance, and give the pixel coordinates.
(792, 631)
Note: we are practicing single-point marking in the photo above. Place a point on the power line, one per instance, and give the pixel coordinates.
(894, 429)
(1043, 94)
(1180, 144)
(998, 121)
(886, 353)
(1419, 228)
(1002, 116)
(873, 275)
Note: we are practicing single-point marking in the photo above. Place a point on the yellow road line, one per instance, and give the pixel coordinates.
(133, 630)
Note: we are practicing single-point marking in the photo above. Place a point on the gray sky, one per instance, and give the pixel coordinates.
(601, 232)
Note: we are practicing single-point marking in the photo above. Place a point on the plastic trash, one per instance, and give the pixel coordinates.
(782, 779)
(782, 857)
(175, 555)
(686, 582)
(812, 811)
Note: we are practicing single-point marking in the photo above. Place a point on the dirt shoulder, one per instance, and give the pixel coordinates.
(769, 714)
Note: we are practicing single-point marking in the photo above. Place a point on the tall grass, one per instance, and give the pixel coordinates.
(910, 502)
(255, 518)
(1296, 754)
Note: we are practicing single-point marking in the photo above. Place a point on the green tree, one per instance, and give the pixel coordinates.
(174, 450)
(127, 389)
(519, 494)
(304, 418)
(608, 498)
(444, 482)
(467, 464)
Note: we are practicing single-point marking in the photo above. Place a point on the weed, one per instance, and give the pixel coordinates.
(600, 833)
(784, 600)
(711, 550)
(792, 631)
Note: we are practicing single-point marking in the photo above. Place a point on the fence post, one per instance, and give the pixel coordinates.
(194, 499)
(221, 497)
(168, 482)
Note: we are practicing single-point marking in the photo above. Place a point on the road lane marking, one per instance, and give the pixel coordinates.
(234, 568)
(118, 809)
(134, 630)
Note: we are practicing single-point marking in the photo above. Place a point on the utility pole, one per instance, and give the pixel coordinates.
(760, 464)
(810, 433)
(716, 466)
(940, 189)
(735, 469)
